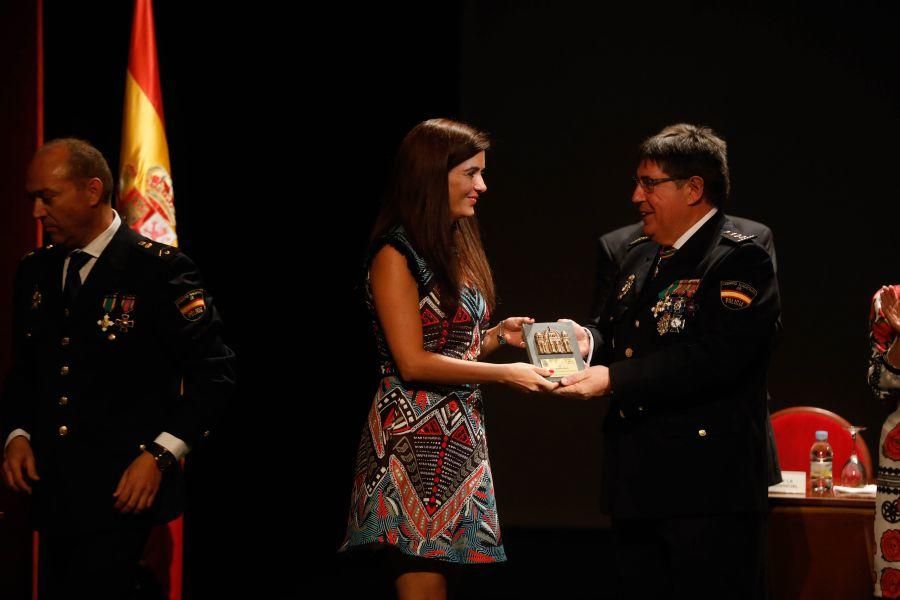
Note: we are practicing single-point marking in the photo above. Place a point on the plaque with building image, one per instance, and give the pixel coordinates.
(553, 346)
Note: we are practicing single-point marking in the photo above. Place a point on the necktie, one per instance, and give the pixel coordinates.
(73, 278)
(665, 253)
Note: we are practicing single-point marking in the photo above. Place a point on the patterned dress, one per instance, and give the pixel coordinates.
(423, 481)
(885, 383)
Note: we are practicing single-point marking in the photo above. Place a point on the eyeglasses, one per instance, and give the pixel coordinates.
(648, 183)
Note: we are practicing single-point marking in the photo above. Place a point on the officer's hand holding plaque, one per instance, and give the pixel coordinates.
(553, 346)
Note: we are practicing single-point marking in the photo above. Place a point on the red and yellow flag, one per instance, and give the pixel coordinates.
(146, 197)
(146, 201)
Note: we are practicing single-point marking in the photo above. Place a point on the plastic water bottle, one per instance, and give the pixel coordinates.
(820, 458)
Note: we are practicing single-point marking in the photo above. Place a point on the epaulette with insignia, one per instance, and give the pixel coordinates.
(737, 238)
(39, 251)
(637, 241)
(157, 249)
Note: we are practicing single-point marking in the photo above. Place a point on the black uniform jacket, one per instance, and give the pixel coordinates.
(91, 384)
(688, 353)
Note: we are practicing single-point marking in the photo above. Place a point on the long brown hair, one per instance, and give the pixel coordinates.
(418, 199)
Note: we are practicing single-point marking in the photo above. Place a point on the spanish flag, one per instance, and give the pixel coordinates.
(146, 201)
(146, 197)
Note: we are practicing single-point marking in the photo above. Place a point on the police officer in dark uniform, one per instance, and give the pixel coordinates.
(611, 250)
(118, 371)
(681, 350)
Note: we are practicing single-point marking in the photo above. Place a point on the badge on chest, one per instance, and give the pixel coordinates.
(117, 312)
(675, 306)
(626, 287)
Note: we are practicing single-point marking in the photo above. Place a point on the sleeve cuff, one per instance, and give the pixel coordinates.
(17, 433)
(171, 443)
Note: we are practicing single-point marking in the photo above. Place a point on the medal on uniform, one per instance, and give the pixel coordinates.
(127, 304)
(104, 323)
(662, 326)
(109, 305)
(661, 305)
(125, 322)
(675, 305)
(36, 298)
(109, 302)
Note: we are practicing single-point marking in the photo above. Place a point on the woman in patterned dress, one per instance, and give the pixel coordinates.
(423, 492)
(884, 379)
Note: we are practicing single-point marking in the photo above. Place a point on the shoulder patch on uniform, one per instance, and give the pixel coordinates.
(736, 295)
(736, 237)
(192, 305)
(637, 241)
(157, 249)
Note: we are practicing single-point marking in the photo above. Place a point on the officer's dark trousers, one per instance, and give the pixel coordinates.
(722, 556)
(100, 565)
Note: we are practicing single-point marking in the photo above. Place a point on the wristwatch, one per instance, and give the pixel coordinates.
(164, 459)
(501, 337)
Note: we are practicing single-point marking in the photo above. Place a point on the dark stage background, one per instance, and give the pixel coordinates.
(282, 127)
